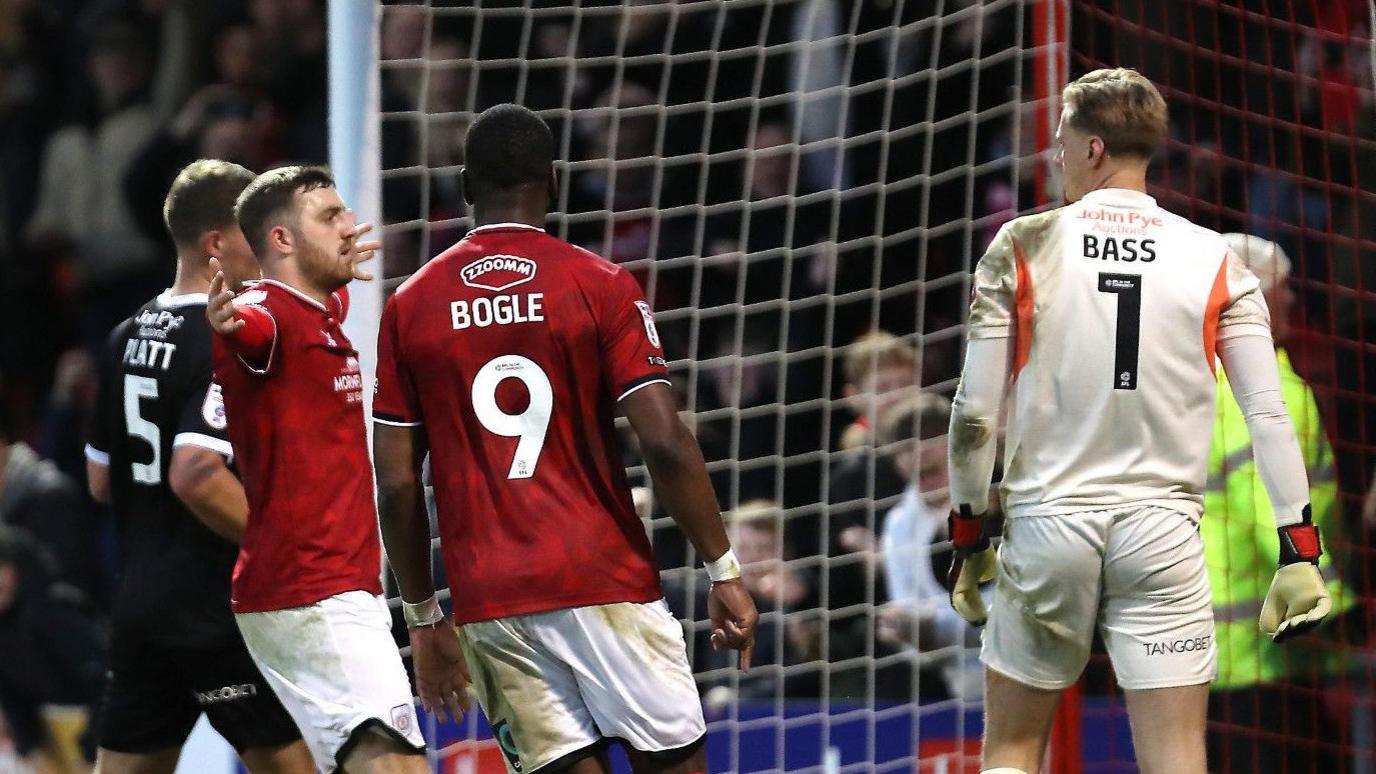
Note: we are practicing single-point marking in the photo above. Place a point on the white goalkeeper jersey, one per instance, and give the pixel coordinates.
(1114, 307)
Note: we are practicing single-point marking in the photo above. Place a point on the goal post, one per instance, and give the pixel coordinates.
(355, 156)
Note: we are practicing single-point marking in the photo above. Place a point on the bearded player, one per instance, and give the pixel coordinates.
(1108, 317)
(506, 359)
(307, 586)
(159, 453)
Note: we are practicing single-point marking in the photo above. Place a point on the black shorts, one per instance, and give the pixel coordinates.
(155, 693)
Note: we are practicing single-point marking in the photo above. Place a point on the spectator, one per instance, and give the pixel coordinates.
(292, 68)
(782, 638)
(620, 133)
(81, 213)
(915, 551)
(881, 370)
(1258, 685)
(743, 382)
(770, 249)
(231, 119)
(62, 435)
(54, 659)
(44, 502)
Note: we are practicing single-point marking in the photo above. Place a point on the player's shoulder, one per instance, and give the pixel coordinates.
(1024, 226)
(259, 293)
(1021, 239)
(1030, 231)
(528, 254)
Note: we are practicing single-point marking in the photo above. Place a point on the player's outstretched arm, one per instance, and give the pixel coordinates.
(682, 484)
(206, 486)
(973, 444)
(441, 672)
(249, 330)
(1298, 599)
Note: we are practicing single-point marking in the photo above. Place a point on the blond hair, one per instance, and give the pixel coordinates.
(925, 415)
(760, 514)
(875, 350)
(1121, 107)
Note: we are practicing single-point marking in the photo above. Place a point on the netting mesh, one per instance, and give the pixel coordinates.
(783, 177)
(802, 186)
(1274, 134)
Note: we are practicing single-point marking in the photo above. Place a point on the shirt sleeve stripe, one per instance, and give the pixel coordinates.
(395, 421)
(97, 456)
(218, 445)
(644, 382)
(272, 350)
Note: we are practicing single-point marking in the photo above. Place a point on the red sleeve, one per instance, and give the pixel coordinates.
(256, 342)
(631, 352)
(394, 394)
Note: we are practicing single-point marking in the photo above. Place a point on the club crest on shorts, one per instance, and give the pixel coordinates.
(213, 409)
(651, 332)
(502, 731)
(498, 272)
(401, 718)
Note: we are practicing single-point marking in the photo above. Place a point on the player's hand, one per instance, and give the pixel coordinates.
(734, 619)
(357, 252)
(1298, 599)
(972, 564)
(219, 308)
(442, 676)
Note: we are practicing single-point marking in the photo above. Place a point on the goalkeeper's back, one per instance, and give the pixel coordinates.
(1115, 307)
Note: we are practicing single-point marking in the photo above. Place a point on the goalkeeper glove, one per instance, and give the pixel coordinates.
(1298, 599)
(972, 564)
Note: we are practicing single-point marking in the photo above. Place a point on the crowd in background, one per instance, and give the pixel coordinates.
(801, 186)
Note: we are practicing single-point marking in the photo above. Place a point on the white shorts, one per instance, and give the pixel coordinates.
(335, 667)
(557, 682)
(1138, 573)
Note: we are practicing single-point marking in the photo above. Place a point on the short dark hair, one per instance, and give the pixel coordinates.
(507, 146)
(202, 199)
(271, 196)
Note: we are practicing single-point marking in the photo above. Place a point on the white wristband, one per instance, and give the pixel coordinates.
(427, 613)
(724, 568)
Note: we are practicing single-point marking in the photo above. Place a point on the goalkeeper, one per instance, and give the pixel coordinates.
(1104, 319)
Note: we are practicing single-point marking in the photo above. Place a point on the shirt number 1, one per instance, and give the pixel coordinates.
(1128, 288)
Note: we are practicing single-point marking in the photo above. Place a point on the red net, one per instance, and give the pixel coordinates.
(1273, 134)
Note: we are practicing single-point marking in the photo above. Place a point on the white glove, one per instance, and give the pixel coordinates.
(1298, 599)
(965, 578)
(1297, 602)
(973, 563)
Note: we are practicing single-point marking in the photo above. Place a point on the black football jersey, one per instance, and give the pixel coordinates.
(156, 394)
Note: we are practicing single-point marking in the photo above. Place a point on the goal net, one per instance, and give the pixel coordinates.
(802, 188)
(1273, 133)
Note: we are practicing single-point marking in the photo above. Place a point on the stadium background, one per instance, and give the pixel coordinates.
(784, 177)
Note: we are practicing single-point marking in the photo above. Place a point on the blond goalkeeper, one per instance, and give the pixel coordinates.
(1106, 320)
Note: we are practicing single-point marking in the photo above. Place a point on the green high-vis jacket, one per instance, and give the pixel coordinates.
(1241, 544)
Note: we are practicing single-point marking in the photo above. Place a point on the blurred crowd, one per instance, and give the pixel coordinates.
(802, 187)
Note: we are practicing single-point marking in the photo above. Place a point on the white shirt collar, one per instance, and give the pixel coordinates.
(1119, 197)
(167, 299)
(294, 292)
(502, 227)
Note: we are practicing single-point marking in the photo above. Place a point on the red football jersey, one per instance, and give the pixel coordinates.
(297, 428)
(512, 348)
